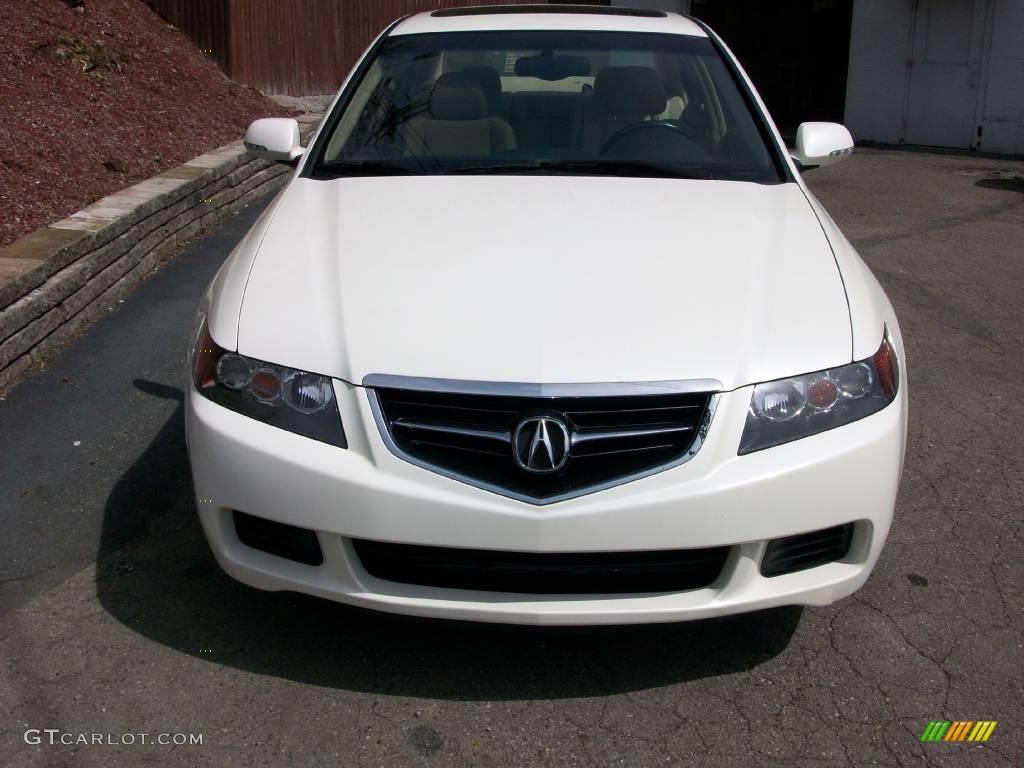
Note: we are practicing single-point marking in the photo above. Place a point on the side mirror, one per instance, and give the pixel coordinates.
(275, 139)
(820, 144)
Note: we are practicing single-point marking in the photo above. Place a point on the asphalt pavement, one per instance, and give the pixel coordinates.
(116, 621)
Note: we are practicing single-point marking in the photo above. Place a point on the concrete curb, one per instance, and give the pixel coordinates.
(57, 281)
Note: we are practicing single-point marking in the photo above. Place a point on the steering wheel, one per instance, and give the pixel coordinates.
(647, 125)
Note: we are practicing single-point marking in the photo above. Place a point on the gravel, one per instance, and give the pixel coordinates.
(99, 97)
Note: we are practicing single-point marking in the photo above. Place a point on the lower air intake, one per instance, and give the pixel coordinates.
(807, 550)
(543, 574)
(287, 541)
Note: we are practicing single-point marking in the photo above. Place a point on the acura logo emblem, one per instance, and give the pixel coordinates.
(541, 444)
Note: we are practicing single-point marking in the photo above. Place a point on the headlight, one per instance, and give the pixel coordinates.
(789, 409)
(298, 401)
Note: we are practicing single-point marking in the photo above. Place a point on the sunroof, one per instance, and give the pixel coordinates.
(601, 10)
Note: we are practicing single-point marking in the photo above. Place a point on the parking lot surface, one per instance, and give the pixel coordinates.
(115, 620)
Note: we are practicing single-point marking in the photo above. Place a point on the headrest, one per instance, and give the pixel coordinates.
(456, 97)
(630, 90)
(485, 78)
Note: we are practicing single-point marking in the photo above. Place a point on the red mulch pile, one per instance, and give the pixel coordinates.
(95, 99)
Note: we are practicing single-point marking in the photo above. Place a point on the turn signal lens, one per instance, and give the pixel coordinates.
(788, 409)
(885, 365)
(204, 358)
(287, 398)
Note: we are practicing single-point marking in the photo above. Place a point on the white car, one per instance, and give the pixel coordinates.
(547, 329)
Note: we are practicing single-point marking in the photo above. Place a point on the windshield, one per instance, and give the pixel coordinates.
(608, 103)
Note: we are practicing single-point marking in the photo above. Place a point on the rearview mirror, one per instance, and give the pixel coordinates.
(550, 67)
(275, 139)
(820, 144)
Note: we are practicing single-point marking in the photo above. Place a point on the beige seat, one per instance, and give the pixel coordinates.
(622, 96)
(487, 80)
(458, 124)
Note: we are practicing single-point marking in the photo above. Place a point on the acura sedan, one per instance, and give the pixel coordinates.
(546, 328)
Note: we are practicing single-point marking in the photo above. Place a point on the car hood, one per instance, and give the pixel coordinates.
(545, 279)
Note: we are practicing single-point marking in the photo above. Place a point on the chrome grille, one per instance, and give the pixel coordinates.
(613, 438)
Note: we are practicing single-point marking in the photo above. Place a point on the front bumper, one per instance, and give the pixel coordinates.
(847, 475)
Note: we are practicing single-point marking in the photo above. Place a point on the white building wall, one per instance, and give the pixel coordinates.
(876, 86)
(1002, 110)
(880, 47)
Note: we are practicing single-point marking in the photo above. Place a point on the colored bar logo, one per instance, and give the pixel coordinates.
(958, 730)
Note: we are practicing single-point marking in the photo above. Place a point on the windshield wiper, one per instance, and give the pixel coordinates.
(342, 168)
(349, 168)
(589, 167)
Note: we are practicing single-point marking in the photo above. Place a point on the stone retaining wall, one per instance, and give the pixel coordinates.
(58, 280)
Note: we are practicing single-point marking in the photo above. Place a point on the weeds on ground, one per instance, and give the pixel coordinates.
(91, 57)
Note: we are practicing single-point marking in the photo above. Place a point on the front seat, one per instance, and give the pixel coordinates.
(622, 96)
(487, 80)
(458, 123)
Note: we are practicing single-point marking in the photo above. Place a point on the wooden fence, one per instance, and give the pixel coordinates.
(293, 47)
(207, 22)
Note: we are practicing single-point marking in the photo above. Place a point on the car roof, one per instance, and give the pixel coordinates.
(548, 17)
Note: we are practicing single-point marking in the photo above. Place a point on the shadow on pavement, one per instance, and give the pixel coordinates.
(156, 575)
(1014, 184)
